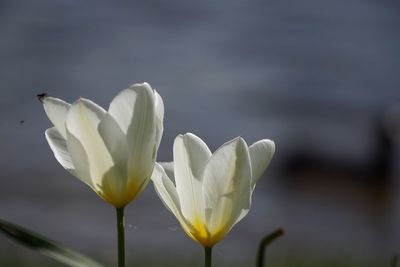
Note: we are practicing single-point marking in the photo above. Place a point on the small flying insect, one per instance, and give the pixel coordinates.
(41, 96)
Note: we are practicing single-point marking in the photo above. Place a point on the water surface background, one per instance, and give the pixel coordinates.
(317, 77)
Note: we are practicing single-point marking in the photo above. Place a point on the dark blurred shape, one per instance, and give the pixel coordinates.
(392, 123)
(376, 170)
(370, 181)
(394, 261)
(41, 96)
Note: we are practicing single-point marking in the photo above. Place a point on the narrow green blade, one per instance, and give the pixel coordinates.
(43, 245)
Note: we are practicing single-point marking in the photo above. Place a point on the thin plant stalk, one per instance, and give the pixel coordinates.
(121, 237)
(207, 256)
(267, 240)
(394, 261)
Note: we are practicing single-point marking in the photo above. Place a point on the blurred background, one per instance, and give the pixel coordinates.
(319, 77)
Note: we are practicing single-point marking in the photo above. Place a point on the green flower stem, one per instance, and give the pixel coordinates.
(207, 256)
(265, 242)
(121, 237)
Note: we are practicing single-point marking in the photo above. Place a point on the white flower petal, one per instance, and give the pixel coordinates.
(135, 112)
(261, 154)
(159, 105)
(226, 185)
(56, 110)
(243, 213)
(115, 140)
(80, 160)
(166, 190)
(169, 169)
(82, 121)
(190, 157)
(59, 147)
(123, 106)
(197, 153)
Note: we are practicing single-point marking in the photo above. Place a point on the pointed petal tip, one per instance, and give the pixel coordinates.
(145, 85)
(82, 99)
(239, 140)
(78, 101)
(179, 136)
(158, 168)
(271, 144)
(86, 102)
(45, 99)
(269, 141)
(189, 135)
(137, 87)
(191, 138)
(261, 153)
(48, 131)
(142, 84)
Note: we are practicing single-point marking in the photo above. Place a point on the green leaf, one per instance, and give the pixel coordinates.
(49, 248)
(265, 242)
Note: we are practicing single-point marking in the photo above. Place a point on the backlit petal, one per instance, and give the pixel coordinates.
(82, 122)
(123, 106)
(80, 160)
(159, 106)
(56, 110)
(226, 185)
(134, 110)
(166, 190)
(261, 154)
(115, 140)
(190, 158)
(169, 169)
(59, 147)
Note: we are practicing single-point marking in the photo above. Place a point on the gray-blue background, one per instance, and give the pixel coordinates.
(316, 76)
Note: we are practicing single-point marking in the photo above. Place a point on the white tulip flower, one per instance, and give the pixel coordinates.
(209, 193)
(112, 151)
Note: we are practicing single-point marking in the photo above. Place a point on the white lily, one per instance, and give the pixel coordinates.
(209, 193)
(112, 151)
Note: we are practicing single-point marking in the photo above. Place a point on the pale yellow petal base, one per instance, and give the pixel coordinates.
(199, 233)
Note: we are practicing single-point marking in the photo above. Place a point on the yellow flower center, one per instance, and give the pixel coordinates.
(120, 197)
(198, 232)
